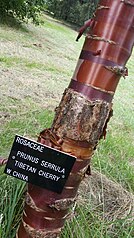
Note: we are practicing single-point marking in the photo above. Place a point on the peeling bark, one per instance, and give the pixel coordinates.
(79, 119)
(82, 116)
(2, 161)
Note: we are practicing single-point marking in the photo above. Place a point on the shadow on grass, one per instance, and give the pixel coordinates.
(60, 21)
(11, 21)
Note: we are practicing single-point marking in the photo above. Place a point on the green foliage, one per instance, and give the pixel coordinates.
(21, 9)
(74, 11)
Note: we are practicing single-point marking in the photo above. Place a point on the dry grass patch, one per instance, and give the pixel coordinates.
(108, 198)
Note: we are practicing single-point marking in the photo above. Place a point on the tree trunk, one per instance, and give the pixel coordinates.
(82, 115)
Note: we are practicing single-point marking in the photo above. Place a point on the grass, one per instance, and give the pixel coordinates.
(34, 119)
(11, 203)
(115, 155)
(36, 64)
(30, 64)
(88, 224)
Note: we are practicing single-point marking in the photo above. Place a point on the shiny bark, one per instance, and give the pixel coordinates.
(82, 116)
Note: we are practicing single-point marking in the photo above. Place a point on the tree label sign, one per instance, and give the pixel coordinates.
(39, 164)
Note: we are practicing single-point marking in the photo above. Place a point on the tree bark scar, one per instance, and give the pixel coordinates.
(63, 204)
(98, 38)
(80, 119)
(3, 161)
(122, 71)
(35, 233)
(88, 55)
(128, 2)
(100, 7)
(91, 92)
(29, 202)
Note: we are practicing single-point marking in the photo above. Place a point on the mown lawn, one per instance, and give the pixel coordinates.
(36, 65)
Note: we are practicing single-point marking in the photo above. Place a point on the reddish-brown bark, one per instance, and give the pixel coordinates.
(2, 161)
(83, 113)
